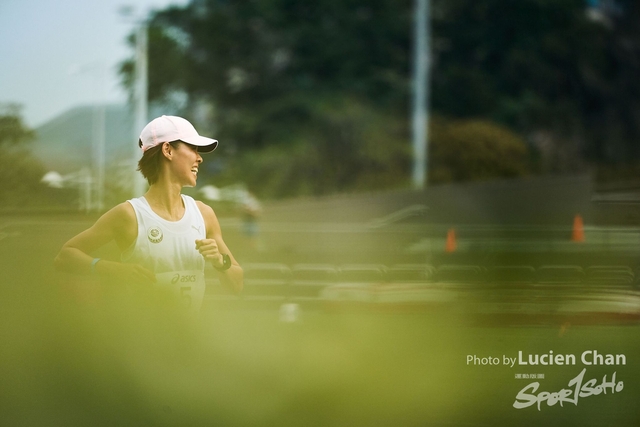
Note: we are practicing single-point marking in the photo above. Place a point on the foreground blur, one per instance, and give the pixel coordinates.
(386, 315)
(134, 360)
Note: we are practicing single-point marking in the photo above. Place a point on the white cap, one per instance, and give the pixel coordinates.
(172, 128)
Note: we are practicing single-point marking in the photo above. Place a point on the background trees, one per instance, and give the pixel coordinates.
(313, 97)
(20, 172)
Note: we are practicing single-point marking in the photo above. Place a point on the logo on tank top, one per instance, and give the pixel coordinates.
(154, 234)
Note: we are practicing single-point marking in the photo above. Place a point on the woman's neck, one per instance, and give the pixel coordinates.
(166, 202)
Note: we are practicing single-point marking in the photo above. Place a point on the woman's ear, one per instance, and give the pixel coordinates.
(167, 150)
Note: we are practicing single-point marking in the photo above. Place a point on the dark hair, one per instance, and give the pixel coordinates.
(149, 163)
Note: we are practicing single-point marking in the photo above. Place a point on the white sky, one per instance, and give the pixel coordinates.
(42, 42)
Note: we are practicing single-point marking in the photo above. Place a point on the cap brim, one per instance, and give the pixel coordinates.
(204, 144)
(208, 148)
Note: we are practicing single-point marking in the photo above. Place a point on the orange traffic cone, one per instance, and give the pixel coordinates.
(578, 229)
(451, 241)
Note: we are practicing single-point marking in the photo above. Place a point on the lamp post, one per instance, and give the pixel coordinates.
(141, 100)
(140, 94)
(420, 119)
(97, 138)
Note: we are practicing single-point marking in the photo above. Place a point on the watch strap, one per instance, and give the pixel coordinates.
(226, 263)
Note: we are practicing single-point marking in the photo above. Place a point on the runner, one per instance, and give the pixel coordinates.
(164, 237)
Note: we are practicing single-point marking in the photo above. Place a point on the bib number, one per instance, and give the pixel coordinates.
(187, 285)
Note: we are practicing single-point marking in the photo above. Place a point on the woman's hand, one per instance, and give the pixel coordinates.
(208, 248)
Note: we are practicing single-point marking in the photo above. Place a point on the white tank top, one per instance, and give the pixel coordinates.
(168, 248)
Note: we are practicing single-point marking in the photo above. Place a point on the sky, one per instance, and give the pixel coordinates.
(59, 54)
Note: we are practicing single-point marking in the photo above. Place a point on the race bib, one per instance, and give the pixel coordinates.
(188, 285)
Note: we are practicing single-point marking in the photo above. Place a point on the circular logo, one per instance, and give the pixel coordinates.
(154, 234)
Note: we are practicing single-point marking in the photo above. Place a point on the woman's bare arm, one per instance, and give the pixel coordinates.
(118, 224)
(214, 246)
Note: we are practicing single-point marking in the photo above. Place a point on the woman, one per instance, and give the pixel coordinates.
(164, 237)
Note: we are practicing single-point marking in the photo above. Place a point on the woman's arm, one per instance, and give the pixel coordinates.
(213, 248)
(118, 224)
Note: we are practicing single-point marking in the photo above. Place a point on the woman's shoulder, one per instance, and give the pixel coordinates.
(120, 214)
(205, 209)
(202, 207)
(209, 216)
(120, 223)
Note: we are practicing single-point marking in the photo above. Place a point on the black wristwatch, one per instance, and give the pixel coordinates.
(226, 263)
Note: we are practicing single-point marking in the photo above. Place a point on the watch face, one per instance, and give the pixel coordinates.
(226, 262)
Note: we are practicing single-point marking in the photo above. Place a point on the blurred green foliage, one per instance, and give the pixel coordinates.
(78, 352)
(545, 69)
(281, 78)
(20, 171)
(466, 150)
(349, 146)
(12, 130)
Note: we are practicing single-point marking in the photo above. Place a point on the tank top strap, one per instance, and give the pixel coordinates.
(193, 212)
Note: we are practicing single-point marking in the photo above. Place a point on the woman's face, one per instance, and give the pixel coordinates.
(185, 161)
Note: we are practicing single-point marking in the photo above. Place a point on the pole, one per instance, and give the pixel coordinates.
(420, 125)
(141, 109)
(99, 138)
(98, 130)
(84, 184)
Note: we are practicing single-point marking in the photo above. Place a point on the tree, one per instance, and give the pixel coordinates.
(262, 62)
(13, 131)
(473, 150)
(351, 147)
(20, 172)
(543, 65)
(284, 73)
(541, 68)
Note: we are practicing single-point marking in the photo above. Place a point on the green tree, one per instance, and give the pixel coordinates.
(473, 150)
(264, 62)
(298, 80)
(613, 106)
(351, 146)
(543, 65)
(269, 68)
(13, 131)
(20, 172)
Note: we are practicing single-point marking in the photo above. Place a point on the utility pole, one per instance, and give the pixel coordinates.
(99, 140)
(421, 66)
(140, 93)
(140, 100)
(97, 180)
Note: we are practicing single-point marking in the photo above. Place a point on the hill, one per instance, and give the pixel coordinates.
(64, 144)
